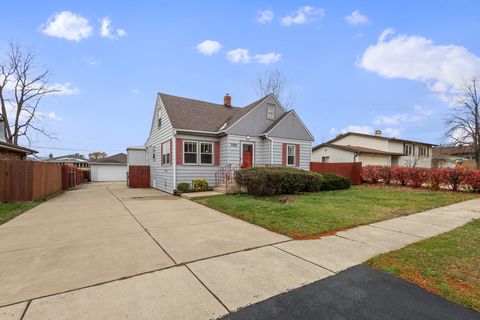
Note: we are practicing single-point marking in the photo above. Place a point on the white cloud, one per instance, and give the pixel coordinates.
(352, 128)
(419, 114)
(91, 61)
(303, 15)
(65, 89)
(356, 18)
(265, 16)
(267, 58)
(242, 55)
(209, 47)
(51, 115)
(239, 55)
(106, 30)
(443, 68)
(67, 25)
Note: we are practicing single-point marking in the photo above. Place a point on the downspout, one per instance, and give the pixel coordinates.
(355, 154)
(271, 149)
(174, 160)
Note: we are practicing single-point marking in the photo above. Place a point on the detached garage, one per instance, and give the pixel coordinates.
(113, 168)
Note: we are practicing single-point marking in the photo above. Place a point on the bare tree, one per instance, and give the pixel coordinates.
(22, 88)
(276, 82)
(464, 122)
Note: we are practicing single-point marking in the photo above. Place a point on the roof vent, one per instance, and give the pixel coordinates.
(227, 100)
(378, 133)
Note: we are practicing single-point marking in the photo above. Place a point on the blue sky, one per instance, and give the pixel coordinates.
(359, 65)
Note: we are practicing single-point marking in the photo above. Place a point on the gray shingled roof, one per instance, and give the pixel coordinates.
(120, 158)
(190, 114)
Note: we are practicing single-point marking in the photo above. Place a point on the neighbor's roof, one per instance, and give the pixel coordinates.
(14, 148)
(119, 158)
(453, 150)
(357, 149)
(69, 158)
(190, 114)
(376, 137)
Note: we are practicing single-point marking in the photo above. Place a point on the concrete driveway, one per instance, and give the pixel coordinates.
(104, 251)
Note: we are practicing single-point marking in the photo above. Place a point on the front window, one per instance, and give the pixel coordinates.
(326, 159)
(166, 153)
(271, 112)
(423, 151)
(206, 153)
(190, 152)
(408, 149)
(291, 155)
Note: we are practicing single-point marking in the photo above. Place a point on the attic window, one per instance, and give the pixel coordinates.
(270, 111)
(159, 118)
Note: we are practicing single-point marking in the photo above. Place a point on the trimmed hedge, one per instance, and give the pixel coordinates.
(333, 181)
(448, 178)
(184, 187)
(269, 181)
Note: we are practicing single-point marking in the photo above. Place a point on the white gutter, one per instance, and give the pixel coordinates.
(271, 149)
(174, 159)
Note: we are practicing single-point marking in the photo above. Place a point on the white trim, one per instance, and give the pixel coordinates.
(199, 160)
(294, 155)
(183, 153)
(169, 142)
(200, 153)
(174, 160)
(299, 120)
(253, 151)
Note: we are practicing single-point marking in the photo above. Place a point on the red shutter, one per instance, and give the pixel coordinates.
(216, 151)
(171, 151)
(161, 153)
(297, 155)
(179, 151)
(284, 154)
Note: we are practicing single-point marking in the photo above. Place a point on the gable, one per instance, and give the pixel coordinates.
(362, 141)
(255, 122)
(158, 134)
(291, 127)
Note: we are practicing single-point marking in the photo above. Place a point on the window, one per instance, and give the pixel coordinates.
(166, 153)
(423, 151)
(206, 153)
(153, 153)
(270, 111)
(190, 152)
(290, 155)
(159, 118)
(408, 149)
(326, 159)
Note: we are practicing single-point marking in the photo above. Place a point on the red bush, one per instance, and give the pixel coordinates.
(416, 177)
(400, 175)
(385, 174)
(453, 177)
(436, 179)
(371, 174)
(472, 180)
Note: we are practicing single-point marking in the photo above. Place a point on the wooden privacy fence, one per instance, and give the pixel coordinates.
(139, 176)
(72, 176)
(22, 180)
(351, 170)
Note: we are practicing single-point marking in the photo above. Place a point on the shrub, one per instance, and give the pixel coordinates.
(271, 181)
(416, 177)
(436, 179)
(333, 181)
(200, 184)
(371, 174)
(385, 174)
(472, 180)
(400, 175)
(184, 187)
(453, 177)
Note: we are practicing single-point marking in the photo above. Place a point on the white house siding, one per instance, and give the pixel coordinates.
(161, 176)
(374, 160)
(336, 155)
(255, 122)
(136, 157)
(261, 149)
(305, 151)
(290, 128)
(367, 142)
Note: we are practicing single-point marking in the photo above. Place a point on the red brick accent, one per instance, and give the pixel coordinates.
(284, 154)
(297, 155)
(216, 153)
(179, 151)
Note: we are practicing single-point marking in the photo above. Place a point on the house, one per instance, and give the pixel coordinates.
(374, 150)
(113, 168)
(451, 156)
(10, 150)
(76, 160)
(196, 139)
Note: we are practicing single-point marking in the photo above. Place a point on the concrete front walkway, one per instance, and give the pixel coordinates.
(108, 252)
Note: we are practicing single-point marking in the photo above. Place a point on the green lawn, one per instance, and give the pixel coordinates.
(9, 211)
(447, 265)
(312, 214)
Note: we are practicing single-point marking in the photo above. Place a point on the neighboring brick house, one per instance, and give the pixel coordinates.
(197, 139)
(12, 151)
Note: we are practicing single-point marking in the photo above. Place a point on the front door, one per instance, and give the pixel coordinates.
(247, 155)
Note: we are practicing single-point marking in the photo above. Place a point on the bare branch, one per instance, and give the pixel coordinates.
(275, 82)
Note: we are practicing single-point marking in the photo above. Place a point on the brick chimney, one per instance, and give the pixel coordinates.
(227, 100)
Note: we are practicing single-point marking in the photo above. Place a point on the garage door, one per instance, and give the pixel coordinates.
(108, 172)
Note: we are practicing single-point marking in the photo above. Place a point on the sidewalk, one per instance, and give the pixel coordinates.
(212, 286)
